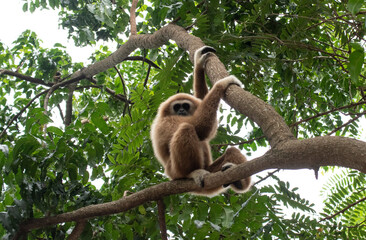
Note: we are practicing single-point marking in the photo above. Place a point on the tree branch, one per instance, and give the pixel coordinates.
(68, 113)
(345, 124)
(133, 17)
(139, 58)
(294, 154)
(78, 230)
(327, 112)
(161, 216)
(25, 77)
(113, 93)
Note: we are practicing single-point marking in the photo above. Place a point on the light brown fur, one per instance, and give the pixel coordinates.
(181, 142)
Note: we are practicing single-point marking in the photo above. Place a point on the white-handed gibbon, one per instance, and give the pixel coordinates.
(184, 126)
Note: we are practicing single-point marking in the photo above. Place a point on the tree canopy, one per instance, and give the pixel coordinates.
(65, 125)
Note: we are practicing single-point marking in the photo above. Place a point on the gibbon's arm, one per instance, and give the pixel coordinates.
(204, 118)
(199, 83)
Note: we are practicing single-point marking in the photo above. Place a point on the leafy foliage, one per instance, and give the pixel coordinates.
(304, 59)
(342, 191)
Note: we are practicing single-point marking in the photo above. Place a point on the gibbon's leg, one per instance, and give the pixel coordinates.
(186, 155)
(231, 157)
(199, 83)
(204, 118)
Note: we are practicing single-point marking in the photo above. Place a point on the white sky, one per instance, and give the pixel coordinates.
(13, 21)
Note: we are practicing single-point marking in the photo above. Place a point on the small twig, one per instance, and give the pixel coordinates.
(345, 124)
(68, 114)
(21, 111)
(218, 146)
(78, 230)
(20, 64)
(147, 75)
(161, 216)
(359, 224)
(327, 112)
(124, 92)
(133, 17)
(335, 18)
(45, 106)
(139, 58)
(122, 81)
(113, 93)
(270, 174)
(343, 210)
(61, 113)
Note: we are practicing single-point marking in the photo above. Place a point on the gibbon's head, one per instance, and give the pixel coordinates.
(181, 104)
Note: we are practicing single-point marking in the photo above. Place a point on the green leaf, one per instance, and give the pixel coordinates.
(354, 6)
(55, 130)
(73, 172)
(26, 145)
(228, 217)
(25, 7)
(85, 177)
(142, 210)
(52, 3)
(356, 60)
(99, 122)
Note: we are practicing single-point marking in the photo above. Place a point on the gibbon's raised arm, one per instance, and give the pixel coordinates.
(204, 118)
(199, 83)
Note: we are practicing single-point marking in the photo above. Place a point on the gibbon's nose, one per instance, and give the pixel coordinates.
(182, 112)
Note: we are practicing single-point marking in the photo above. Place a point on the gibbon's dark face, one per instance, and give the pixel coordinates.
(182, 108)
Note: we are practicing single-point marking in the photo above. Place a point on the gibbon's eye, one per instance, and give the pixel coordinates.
(186, 106)
(176, 107)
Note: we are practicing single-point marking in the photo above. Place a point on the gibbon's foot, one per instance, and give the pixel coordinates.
(238, 184)
(199, 176)
(201, 54)
(230, 80)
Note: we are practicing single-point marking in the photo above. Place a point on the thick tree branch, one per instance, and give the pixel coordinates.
(78, 230)
(272, 124)
(294, 154)
(133, 17)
